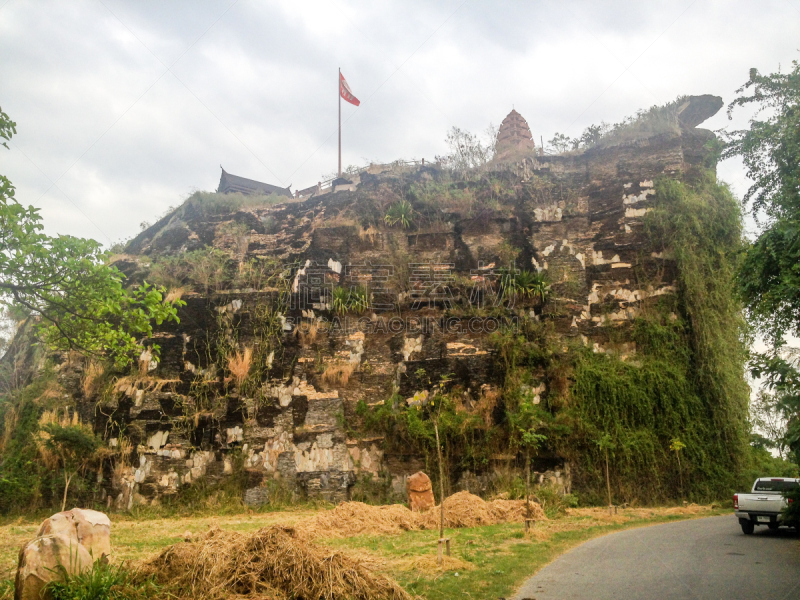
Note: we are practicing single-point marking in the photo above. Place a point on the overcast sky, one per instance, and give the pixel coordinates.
(125, 108)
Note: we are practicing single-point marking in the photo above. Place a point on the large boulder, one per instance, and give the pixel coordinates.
(89, 528)
(45, 559)
(420, 492)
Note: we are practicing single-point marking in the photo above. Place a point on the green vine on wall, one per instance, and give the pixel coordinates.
(687, 379)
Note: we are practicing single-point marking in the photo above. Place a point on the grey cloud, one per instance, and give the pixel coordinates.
(257, 91)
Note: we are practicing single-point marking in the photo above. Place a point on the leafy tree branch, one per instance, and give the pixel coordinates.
(66, 282)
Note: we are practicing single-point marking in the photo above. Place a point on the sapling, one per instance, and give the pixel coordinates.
(72, 447)
(676, 446)
(525, 424)
(605, 443)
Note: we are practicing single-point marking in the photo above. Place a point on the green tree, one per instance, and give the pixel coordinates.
(66, 283)
(769, 277)
(560, 143)
(768, 416)
(72, 447)
(467, 151)
(525, 427)
(676, 446)
(606, 443)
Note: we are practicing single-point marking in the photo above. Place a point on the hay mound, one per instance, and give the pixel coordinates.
(272, 563)
(468, 510)
(460, 510)
(505, 511)
(357, 518)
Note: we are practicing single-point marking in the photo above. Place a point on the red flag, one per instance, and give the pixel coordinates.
(345, 91)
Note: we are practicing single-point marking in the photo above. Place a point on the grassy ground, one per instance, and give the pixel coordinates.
(486, 562)
(133, 540)
(491, 562)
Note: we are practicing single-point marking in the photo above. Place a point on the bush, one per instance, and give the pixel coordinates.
(353, 299)
(791, 514)
(400, 214)
(553, 502)
(206, 269)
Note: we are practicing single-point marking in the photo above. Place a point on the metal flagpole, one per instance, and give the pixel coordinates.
(339, 83)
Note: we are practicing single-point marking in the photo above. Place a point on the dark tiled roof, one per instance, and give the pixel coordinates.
(234, 183)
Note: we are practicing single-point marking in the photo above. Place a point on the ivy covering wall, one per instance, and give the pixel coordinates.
(686, 380)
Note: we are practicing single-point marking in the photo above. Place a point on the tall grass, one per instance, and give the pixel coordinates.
(209, 204)
(101, 582)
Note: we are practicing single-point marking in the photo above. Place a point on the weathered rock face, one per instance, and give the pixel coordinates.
(420, 492)
(41, 561)
(578, 217)
(70, 542)
(89, 528)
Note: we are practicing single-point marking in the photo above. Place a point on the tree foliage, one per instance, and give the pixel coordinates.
(72, 447)
(770, 274)
(66, 282)
(467, 151)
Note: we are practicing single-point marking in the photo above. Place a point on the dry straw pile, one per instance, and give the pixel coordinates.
(279, 562)
(468, 510)
(274, 563)
(460, 510)
(356, 518)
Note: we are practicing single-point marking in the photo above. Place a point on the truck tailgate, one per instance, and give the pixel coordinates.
(761, 503)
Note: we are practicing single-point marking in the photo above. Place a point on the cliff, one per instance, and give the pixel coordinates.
(320, 333)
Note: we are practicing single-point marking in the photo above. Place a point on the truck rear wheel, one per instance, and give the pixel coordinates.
(747, 526)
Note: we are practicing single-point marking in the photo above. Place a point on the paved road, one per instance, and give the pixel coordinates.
(701, 559)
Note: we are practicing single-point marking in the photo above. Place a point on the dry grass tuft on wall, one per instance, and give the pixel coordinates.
(338, 374)
(175, 294)
(239, 365)
(307, 332)
(91, 377)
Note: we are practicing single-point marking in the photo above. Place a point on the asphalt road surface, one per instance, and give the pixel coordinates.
(700, 559)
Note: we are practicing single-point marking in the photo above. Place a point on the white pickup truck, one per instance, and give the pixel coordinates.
(763, 505)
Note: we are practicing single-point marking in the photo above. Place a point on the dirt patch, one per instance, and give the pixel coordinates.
(272, 563)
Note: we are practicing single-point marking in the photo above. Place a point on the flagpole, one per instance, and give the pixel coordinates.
(339, 83)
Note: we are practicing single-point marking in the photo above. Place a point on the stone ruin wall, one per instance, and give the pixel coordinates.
(585, 225)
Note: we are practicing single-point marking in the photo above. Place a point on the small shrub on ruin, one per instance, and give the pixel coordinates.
(257, 273)
(400, 214)
(207, 268)
(354, 299)
(169, 272)
(234, 237)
